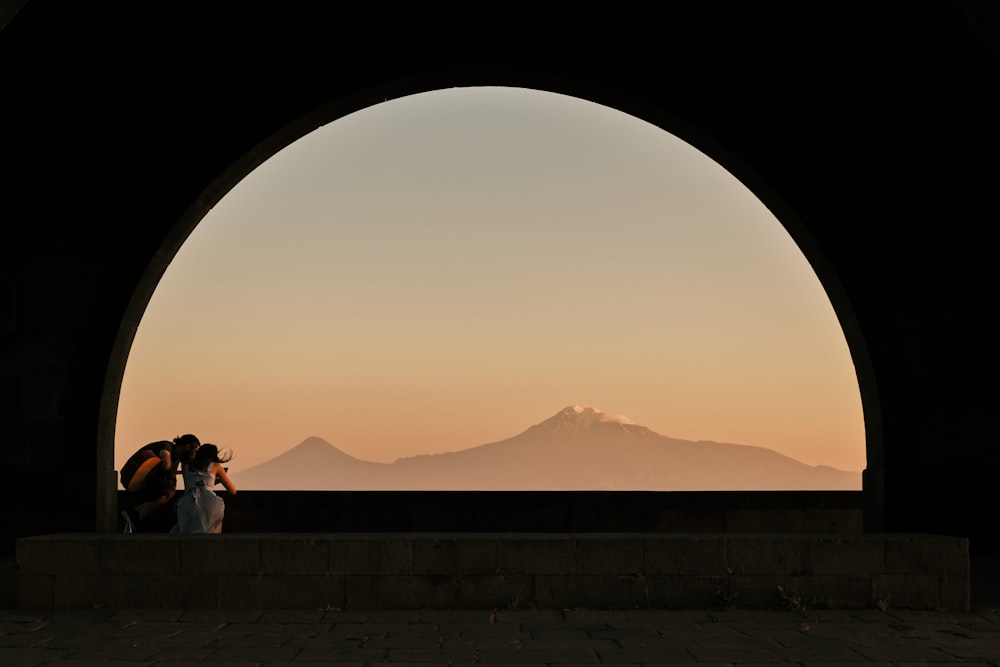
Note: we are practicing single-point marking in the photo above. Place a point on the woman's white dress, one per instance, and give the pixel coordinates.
(199, 509)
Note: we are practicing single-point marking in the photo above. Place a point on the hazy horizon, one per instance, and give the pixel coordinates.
(578, 448)
(438, 271)
(290, 447)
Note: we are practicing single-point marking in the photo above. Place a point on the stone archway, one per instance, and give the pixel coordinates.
(330, 112)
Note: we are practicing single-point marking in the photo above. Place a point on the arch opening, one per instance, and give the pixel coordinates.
(624, 352)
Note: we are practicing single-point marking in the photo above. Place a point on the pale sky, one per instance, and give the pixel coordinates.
(448, 269)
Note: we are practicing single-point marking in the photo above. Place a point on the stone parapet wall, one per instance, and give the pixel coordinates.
(543, 511)
(492, 570)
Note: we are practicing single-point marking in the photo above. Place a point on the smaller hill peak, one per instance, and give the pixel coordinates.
(314, 442)
(312, 448)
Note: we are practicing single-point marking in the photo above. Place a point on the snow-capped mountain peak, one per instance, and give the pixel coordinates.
(577, 418)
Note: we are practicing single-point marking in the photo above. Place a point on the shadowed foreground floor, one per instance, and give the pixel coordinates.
(497, 637)
(501, 637)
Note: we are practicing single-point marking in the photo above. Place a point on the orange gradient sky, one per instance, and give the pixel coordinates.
(445, 270)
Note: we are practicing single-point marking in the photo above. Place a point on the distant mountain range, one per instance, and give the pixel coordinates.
(577, 449)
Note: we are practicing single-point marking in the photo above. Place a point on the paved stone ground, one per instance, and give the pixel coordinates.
(501, 637)
(300, 638)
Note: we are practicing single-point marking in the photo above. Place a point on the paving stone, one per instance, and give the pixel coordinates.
(645, 637)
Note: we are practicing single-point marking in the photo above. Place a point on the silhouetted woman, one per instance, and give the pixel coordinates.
(199, 509)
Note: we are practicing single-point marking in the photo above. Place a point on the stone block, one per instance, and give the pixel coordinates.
(477, 555)
(537, 555)
(128, 592)
(612, 592)
(157, 592)
(956, 594)
(609, 555)
(301, 592)
(424, 592)
(295, 555)
(907, 591)
(117, 591)
(435, 557)
(185, 592)
(35, 591)
(555, 591)
(140, 554)
(846, 521)
(84, 591)
(360, 591)
(239, 591)
(757, 591)
(817, 521)
(826, 591)
(55, 554)
(686, 591)
(775, 554)
(685, 555)
(493, 591)
(915, 554)
(359, 555)
(212, 555)
(399, 592)
(409, 592)
(856, 554)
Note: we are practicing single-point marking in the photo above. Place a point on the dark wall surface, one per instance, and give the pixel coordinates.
(869, 129)
(532, 512)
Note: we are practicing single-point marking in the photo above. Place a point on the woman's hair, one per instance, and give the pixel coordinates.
(187, 441)
(185, 446)
(208, 454)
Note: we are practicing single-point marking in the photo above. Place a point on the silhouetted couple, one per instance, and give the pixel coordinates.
(149, 478)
